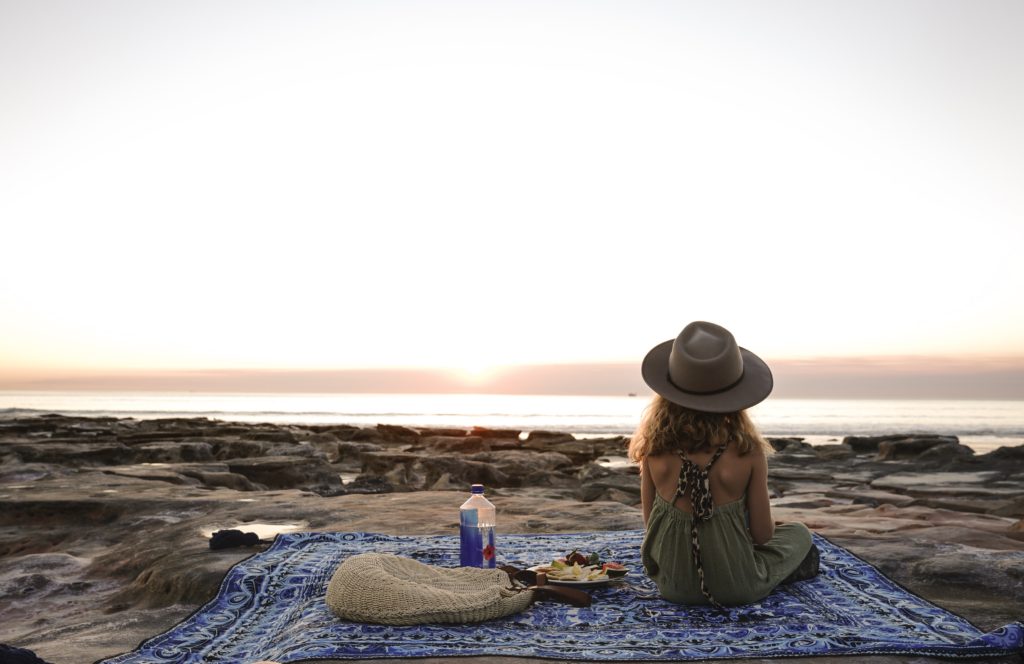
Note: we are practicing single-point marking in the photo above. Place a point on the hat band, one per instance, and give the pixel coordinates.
(718, 391)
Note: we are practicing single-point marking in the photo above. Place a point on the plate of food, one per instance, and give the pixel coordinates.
(580, 570)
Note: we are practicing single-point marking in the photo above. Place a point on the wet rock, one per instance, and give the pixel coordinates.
(523, 464)
(238, 449)
(155, 472)
(301, 449)
(798, 448)
(484, 432)
(787, 473)
(463, 444)
(1015, 453)
(537, 439)
(444, 483)
(339, 431)
(803, 501)
(393, 433)
(351, 453)
(613, 446)
(379, 463)
(12, 472)
(222, 478)
(779, 444)
(619, 481)
(462, 472)
(369, 484)
(273, 436)
(911, 447)
(362, 434)
(833, 452)
(788, 489)
(579, 451)
(974, 504)
(999, 571)
(137, 437)
(945, 454)
(867, 496)
(865, 444)
(618, 496)
(287, 473)
(1013, 507)
(436, 431)
(71, 453)
(323, 437)
(171, 452)
(591, 472)
(986, 483)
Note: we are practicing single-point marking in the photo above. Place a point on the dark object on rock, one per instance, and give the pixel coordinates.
(12, 655)
(229, 539)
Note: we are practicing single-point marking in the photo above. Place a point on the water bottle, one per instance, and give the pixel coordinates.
(476, 534)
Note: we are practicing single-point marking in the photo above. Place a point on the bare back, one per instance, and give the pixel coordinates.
(728, 478)
(732, 478)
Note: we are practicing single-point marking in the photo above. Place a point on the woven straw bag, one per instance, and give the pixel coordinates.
(391, 590)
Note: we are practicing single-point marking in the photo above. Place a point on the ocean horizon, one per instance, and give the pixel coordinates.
(982, 425)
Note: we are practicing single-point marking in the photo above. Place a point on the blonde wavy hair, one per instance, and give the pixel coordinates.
(669, 427)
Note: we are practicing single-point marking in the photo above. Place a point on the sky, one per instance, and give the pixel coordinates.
(472, 187)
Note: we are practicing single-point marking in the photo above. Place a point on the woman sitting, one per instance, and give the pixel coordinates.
(710, 537)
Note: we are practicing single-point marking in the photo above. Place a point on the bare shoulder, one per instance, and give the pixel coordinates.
(662, 465)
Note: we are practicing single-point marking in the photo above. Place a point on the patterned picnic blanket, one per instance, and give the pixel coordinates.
(271, 606)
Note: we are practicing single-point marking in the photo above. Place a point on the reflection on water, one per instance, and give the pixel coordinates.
(614, 462)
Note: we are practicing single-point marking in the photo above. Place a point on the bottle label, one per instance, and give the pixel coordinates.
(476, 542)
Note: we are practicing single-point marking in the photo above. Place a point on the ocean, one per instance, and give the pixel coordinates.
(983, 425)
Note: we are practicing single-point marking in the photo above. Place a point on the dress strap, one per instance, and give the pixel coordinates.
(694, 479)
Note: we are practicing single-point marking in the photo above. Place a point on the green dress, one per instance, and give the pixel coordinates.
(736, 571)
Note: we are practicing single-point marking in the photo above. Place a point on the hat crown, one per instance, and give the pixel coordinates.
(705, 358)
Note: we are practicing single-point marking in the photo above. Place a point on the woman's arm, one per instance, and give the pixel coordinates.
(646, 490)
(758, 506)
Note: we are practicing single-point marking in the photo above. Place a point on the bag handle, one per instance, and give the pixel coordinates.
(538, 583)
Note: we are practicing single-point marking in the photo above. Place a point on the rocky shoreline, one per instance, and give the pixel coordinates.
(103, 521)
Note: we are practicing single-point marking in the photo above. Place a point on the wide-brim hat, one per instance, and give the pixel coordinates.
(704, 369)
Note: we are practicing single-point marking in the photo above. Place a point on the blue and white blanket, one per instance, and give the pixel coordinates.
(271, 606)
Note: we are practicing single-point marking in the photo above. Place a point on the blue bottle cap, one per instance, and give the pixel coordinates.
(477, 488)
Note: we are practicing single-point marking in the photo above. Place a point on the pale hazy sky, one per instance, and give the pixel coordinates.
(337, 185)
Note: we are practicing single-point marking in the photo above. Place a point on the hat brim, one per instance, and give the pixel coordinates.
(753, 387)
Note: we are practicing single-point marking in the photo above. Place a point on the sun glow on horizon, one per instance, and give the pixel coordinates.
(482, 185)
